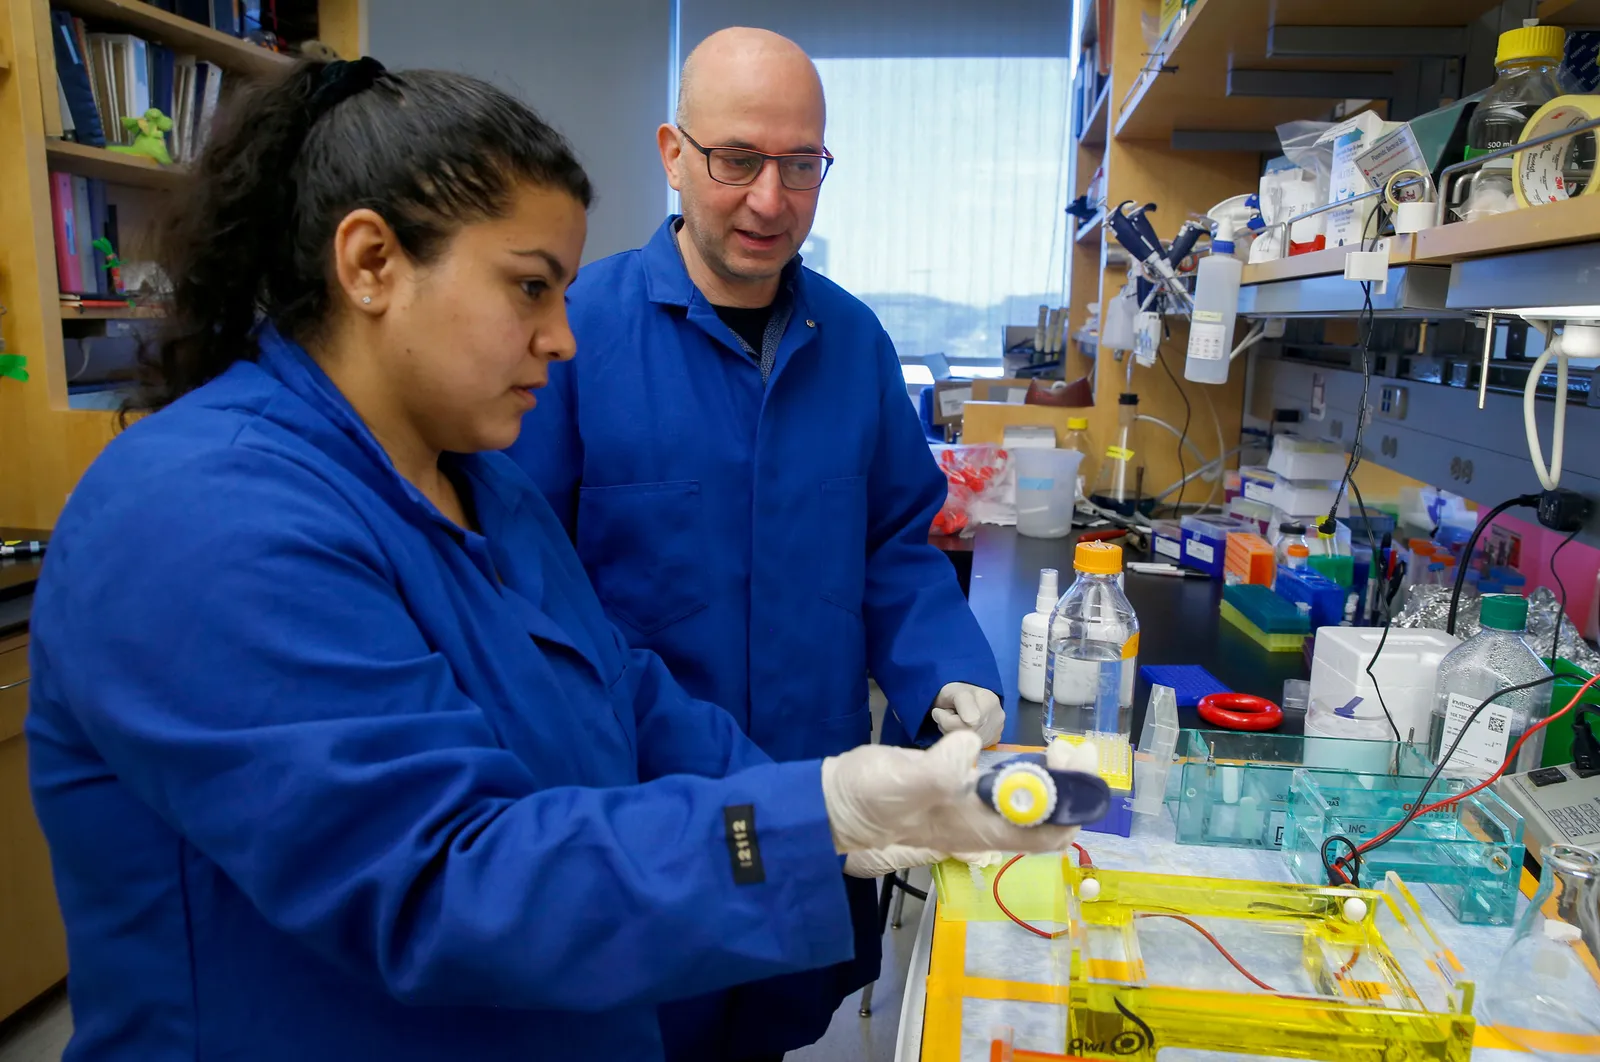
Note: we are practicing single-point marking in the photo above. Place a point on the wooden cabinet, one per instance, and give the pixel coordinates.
(33, 945)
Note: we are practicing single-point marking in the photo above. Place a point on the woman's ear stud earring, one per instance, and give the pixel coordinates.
(366, 299)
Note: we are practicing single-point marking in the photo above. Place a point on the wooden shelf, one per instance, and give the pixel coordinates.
(181, 35)
(1322, 263)
(110, 313)
(1574, 221)
(113, 166)
(1094, 134)
(1221, 33)
(1091, 227)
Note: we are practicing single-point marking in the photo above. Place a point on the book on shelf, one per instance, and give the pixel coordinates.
(101, 78)
(80, 214)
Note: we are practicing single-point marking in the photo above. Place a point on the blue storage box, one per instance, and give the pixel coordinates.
(1205, 542)
(1325, 596)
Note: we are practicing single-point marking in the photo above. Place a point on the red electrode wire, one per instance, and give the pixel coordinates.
(1368, 845)
(1085, 861)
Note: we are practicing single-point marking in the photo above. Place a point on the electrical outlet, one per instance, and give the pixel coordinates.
(1392, 403)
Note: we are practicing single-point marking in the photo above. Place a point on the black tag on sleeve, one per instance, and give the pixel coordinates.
(744, 851)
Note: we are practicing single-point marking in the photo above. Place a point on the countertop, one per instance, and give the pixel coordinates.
(17, 578)
(1179, 623)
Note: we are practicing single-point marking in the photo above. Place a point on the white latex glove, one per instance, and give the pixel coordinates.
(876, 862)
(878, 796)
(962, 706)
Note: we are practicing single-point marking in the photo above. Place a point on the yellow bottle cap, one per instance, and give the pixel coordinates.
(1077, 423)
(1097, 558)
(1531, 42)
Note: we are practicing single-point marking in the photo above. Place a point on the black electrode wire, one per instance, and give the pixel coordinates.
(1386, 597)
(1343, 866)
(1561, 617)
(1472, 544)
(1188, 413)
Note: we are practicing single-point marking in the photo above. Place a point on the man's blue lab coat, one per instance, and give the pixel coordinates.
(769, 542)
(327, 778)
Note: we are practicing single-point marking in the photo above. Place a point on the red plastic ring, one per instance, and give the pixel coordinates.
(1239, 711)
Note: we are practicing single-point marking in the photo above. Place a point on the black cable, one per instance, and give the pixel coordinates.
(1472, 543)
(1386, 595)
(1561, 617)
(1421, 800)
(1367, 321)
(1188, 412)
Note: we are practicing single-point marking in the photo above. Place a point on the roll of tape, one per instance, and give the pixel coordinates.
(1411, 193)
(1413, 217)
(1537, 174)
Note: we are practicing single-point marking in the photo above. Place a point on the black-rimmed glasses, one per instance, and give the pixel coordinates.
(741, 166)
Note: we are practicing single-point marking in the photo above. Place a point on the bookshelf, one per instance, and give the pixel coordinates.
(129, 170)
(44, 443)
(181, 35)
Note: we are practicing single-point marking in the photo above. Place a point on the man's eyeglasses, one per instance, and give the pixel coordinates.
(741, 166)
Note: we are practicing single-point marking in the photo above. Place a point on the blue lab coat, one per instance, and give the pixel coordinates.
(769, 542)
(326, 777)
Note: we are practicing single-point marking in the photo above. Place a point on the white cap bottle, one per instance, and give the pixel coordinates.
(1035, 637)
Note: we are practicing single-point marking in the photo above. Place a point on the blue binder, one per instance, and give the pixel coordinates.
(74, 76)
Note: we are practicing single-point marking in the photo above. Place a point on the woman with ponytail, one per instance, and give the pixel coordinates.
(336, 752)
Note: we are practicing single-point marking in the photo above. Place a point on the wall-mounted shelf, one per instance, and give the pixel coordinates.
(1411, 291)
(1221, 34)
(135, 170)
(182, 35)
(70, 312)
(1094, 133)
(1088, 229)
(1570, 12)
(1574, 221)
(1321, 263)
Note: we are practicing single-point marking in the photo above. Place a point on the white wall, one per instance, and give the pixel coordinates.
(849, 29)
(598, 70)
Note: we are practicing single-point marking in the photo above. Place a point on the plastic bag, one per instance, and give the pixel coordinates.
(982, 488)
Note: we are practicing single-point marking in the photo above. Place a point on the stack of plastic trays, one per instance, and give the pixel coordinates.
(1269, 620)
(1250, 559)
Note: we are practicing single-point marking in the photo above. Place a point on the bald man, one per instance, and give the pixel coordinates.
(748, 485)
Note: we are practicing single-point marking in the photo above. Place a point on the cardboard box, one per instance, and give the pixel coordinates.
(949, 397)
(1351, 139)
(1011, 390)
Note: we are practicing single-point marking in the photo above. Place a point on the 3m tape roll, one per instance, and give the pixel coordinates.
(1538, 175)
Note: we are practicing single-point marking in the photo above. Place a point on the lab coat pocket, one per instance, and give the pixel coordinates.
(842, 536)
(640, 543)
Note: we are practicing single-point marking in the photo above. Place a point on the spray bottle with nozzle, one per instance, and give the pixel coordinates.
(1216, 306)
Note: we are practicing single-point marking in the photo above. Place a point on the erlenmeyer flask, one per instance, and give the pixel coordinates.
(1547, 986)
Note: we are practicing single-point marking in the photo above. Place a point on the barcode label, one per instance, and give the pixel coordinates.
(1484, 746)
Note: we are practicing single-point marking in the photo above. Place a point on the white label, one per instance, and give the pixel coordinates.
(1255, 490)
(1209, 316)
(1276, 821)
(1200, 551)
(951, 401)
(1016, 396)
(1167, 547)
(1484, 747)
(1030, 667)
(1146, 337)
(1208, 342)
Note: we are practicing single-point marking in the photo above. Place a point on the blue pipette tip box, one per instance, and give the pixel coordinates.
(1189, 682)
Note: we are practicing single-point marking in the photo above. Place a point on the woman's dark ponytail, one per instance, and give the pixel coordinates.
(286, 161)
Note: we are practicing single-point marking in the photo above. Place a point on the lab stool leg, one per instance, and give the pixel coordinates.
(899, 899)
(866, 1000)
(884, 898)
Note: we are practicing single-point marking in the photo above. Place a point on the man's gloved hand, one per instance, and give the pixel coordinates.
(962, 706)
(878, 796)
(877, 862)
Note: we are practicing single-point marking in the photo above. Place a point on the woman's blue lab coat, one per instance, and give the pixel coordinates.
(770, 542)
(326, 777)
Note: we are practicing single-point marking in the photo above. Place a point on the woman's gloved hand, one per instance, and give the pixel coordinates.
(877, 862)
(963, 706)
(879, 796)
